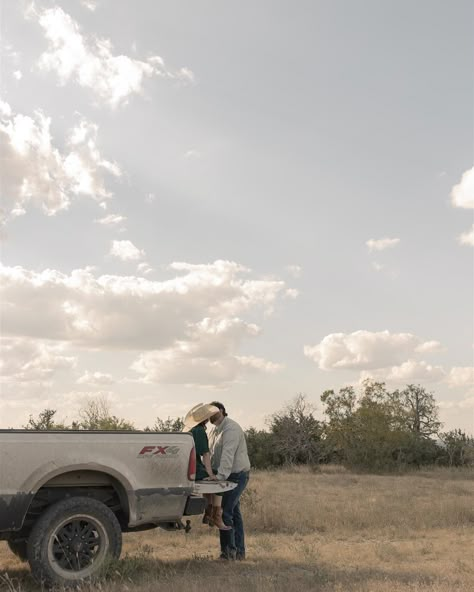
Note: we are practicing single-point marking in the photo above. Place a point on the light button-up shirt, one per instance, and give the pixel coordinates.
(228, 449)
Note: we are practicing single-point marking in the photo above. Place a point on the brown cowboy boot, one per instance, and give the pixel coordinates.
(207, 518)
(217, 519)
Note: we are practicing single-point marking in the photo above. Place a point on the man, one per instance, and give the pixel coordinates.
(230, 461)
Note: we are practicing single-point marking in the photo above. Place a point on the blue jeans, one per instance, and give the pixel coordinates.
(233, 541)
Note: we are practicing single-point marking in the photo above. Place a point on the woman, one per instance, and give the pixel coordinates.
(195, 422)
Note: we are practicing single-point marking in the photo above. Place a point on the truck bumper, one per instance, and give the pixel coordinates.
(194, 505)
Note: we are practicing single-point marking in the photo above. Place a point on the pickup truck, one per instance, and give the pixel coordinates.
(67, 496)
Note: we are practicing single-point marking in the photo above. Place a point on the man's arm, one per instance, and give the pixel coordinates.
(230, 442)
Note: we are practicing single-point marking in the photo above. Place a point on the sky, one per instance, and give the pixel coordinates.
(239, 201)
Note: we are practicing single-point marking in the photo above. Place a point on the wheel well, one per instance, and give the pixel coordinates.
(84, 483)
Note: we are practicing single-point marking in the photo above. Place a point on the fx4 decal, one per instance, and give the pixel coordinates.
(158, 451)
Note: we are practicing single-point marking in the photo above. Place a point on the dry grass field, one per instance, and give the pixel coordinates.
(324, 531)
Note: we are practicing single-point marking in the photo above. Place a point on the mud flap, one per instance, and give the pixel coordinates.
(194, 505)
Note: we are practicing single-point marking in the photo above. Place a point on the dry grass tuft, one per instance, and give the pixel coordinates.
(329, 530)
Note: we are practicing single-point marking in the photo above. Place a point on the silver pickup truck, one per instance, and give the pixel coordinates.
(66, 497)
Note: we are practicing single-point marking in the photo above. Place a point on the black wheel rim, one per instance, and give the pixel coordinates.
(76, 545)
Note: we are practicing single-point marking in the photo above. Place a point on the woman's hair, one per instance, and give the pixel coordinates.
(220, 406)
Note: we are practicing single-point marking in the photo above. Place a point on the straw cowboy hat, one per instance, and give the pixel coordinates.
(198, 413)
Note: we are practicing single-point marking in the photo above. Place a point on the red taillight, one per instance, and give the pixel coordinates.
(192, 465)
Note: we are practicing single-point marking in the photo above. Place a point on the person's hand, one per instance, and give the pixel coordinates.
(210, 478)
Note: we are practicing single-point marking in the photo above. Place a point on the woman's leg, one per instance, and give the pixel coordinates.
(207, 518)
(217, 512)
(216, 500)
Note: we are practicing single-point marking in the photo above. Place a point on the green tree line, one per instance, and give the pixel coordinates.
(374, 429)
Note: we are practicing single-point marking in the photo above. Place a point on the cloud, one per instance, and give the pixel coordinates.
(409, 371)
(35, 172)
(112, 220)
(467, 238)
(91, 63)
(462, 194)
(126, 250)
(206, 358)
(95, 378)
(90, 4)
(5, 109)
(461, 376)
(365, 350)
(429, 347)
(259, 364)
(381, 244)
(25, 361)
(17, 75)
(134, 313)
(144, 269)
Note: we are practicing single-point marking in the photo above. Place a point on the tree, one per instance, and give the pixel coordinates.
(44, 421)
(341, 406)
(297, 434)
(261, 449)
(167, 425)
(380, 429)
(340, 427)
(95, 414)
(459, 448)
(361, 430)
(418, 410)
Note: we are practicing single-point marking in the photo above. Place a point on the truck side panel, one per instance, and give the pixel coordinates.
(150, 467)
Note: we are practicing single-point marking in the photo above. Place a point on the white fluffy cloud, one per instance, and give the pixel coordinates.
(429, 347)
(382, 243)
(91, 63)
(413, 370)
(134, 313)
(126, 250)
(189, 328)
(462, 194)
(365, 350)
(35, 172)
(409, 371)
(206, 358)
(467, 238)
(461, 376)
(26, 360)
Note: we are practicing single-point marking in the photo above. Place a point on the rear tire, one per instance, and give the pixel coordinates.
(19, 548)
(72, 541)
